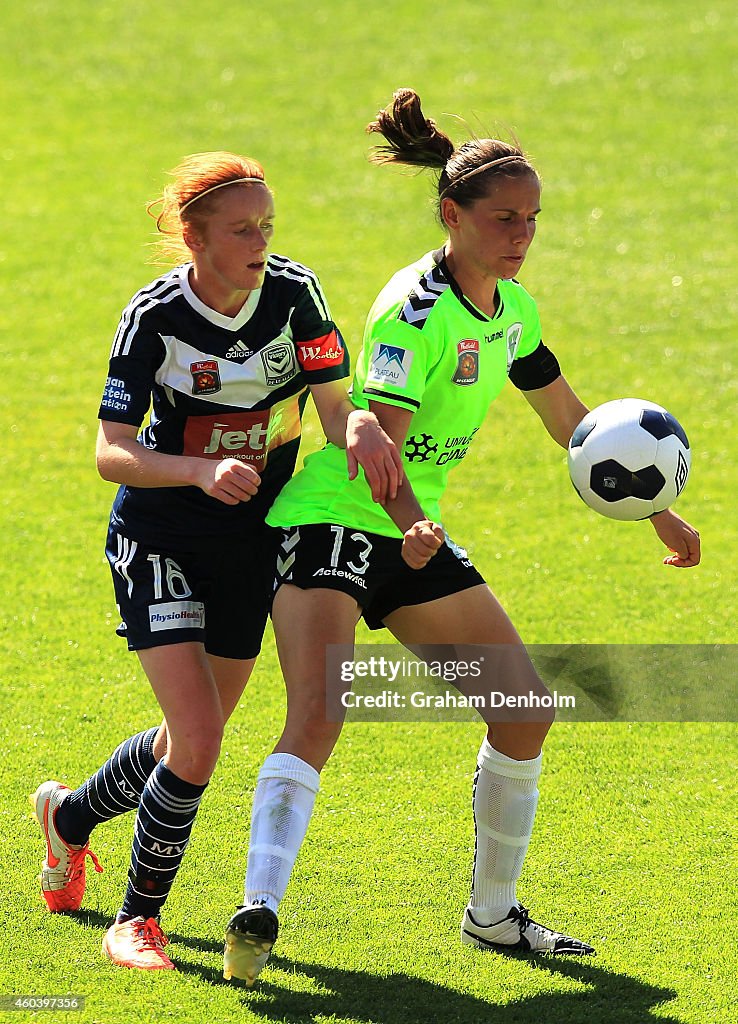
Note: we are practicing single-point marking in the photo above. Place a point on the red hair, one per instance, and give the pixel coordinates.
(194, 176)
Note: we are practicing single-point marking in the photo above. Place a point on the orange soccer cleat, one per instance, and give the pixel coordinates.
(137, 943)
(63, 871)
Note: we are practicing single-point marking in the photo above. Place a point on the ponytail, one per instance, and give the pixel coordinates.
(411, 137)
(464, 174)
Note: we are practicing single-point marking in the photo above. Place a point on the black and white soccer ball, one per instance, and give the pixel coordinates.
(629, 459)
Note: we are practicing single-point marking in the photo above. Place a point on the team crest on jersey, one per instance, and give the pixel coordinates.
(205, 377)
(512, 337)
(279, 364)
(467, 366)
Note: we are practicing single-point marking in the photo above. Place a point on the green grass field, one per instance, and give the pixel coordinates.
(629, 115)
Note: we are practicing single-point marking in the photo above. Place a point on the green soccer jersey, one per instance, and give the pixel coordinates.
(427, 349)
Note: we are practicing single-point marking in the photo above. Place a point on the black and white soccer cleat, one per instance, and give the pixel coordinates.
(518, 933)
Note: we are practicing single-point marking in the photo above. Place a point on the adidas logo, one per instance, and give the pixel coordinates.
(239, 351)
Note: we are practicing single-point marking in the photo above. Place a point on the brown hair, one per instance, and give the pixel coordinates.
(465, 174)
(184, 201)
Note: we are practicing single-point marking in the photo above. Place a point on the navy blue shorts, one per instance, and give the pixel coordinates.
(217, 595)
(370, 568)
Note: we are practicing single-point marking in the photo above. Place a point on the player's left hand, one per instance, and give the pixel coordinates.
(680, 538)
(369, 446)
(421, 541)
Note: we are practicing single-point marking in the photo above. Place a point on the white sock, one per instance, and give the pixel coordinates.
(505, 798)
(283, 803)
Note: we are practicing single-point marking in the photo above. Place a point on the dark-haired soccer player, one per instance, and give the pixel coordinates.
(440, 342)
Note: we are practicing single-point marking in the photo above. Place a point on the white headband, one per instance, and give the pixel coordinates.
(233, 181)
(483, 167)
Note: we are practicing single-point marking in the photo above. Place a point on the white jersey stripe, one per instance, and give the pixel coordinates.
(126, 551)
(167, 290)
(296, 272)
(285, 261)
(150, 291)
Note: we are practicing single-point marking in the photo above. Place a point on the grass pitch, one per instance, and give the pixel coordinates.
(629, 117)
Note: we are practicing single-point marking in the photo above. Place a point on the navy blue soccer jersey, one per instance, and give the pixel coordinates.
(218, 387)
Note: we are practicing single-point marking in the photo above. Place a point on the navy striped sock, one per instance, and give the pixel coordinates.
(164, 821)
(112, 790)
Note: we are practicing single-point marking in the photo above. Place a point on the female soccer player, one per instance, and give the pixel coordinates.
(229, 345)
(440, 342)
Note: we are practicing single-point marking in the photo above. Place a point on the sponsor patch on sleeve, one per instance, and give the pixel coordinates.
(116, 396)
(320, 352)
(389, 365)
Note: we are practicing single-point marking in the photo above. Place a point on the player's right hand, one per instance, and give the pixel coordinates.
(421, 542)
(230, 481)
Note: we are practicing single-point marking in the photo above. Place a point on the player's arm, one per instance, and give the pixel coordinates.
(680, 538)
(123, 460)
(559, 408)
(360, 433)
(422, 537)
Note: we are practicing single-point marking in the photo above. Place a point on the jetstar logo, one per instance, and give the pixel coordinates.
(247, 436)
(241, 436)
(231, 440)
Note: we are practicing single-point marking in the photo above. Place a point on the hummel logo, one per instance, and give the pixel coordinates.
(289, 542)
(285, 564)
(239, 351)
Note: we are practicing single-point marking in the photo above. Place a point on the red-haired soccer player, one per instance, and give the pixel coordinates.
(226, 349)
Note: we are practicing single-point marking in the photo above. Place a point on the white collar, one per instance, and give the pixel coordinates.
(218, 319)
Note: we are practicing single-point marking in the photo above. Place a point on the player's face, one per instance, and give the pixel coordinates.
(491, 237)
(229, 249)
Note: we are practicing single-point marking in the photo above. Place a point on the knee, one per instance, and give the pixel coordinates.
(317, 731)
(309, 735)
(195, 758)
(534, 733)
(520, 740)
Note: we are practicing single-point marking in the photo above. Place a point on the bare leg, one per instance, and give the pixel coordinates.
(506, 781)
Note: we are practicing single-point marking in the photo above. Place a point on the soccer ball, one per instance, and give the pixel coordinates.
(629, 459)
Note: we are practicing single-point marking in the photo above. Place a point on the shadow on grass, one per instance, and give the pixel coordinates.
(401, 998)
(404, 999)
(91, 918)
